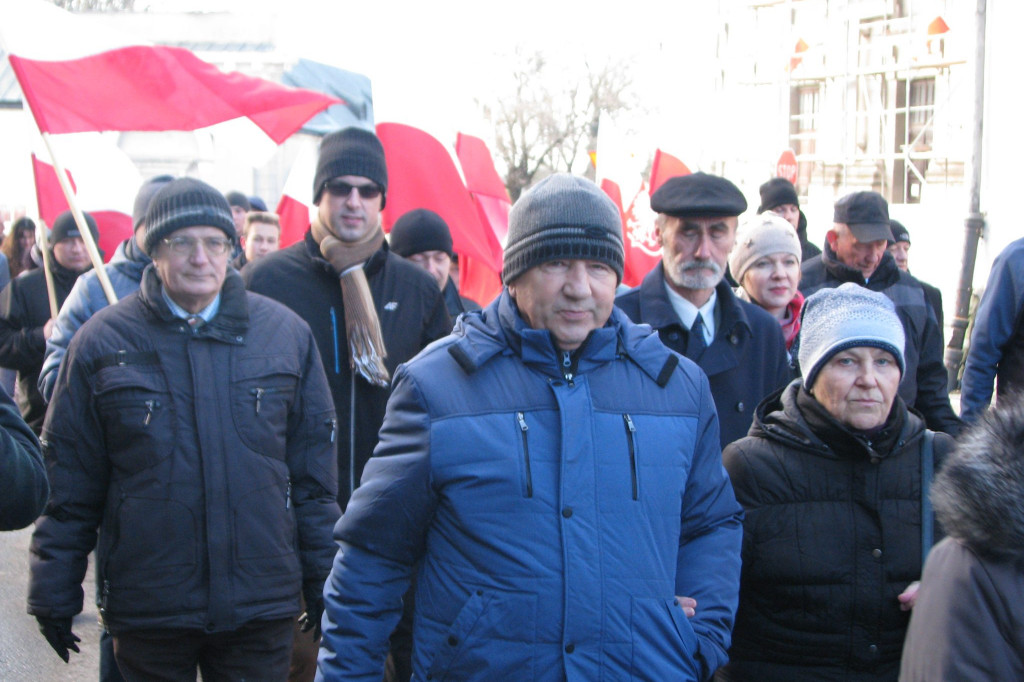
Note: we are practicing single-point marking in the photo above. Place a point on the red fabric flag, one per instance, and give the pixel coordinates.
(665, 166)
(294, 208)
(114, 226)
(490, 196)
(421, 174)
(76, 79)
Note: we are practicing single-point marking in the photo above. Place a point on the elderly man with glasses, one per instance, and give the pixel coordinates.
(192, 430)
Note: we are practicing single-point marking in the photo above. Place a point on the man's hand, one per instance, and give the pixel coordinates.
(909, 596)
(48, 328)
(310, 620)
(58, 633)
(688, 605)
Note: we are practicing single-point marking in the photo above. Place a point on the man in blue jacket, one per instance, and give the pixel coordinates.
(553, 474)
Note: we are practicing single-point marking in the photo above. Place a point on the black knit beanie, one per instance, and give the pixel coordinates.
(562, 216)
(420, 230)
(236, 198)
(776, 192)
(186, 202)
(65, 227)
(146, 193)
(351, 151)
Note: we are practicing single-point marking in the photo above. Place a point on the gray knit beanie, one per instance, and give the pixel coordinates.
(351, 151)
(562, 216)
(846, 317)
(186, 202)
(761, 236)
(145, 196)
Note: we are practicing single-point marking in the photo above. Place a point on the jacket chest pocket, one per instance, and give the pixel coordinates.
(263, 391)
(135, 408)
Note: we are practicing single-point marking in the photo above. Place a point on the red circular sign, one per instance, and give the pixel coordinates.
(786, 166)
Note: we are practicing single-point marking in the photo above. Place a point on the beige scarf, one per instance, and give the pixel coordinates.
(366, 350)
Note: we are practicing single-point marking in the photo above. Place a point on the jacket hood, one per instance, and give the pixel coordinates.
(780, 418)
(499, 329)
(979, 495)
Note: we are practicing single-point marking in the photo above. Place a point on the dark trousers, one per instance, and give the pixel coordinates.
(108, 666)
(259, 650)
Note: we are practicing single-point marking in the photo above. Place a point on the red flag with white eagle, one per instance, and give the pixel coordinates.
(78, 77)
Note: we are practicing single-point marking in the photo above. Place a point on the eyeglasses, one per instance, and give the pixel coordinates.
(186, 246)
(340, 188)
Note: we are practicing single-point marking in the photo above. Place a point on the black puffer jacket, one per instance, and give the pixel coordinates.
(205, 458)
(832, 535)
(411, 311)
(924, 382)
(24, 310)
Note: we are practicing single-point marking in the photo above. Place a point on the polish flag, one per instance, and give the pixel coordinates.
(104, 181)
(422, 174)
(477, 281)
(663, 167)
(76, 77)
(295, 209)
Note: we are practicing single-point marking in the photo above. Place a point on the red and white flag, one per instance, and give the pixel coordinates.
(477, 281)
(295, 207)
(77, 77)
(422, 174)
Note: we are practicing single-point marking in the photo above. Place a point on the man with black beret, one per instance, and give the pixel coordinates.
(685, 298)
(900, 250)
(25, 321)
(778, 195)
(855, 251)
(370, 309)
(423, 237)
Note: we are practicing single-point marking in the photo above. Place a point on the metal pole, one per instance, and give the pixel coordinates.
(975, 222)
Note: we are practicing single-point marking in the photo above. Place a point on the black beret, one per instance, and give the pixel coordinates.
(699, 195)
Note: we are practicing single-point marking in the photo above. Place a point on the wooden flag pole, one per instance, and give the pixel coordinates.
(44, 249)
(83, 227)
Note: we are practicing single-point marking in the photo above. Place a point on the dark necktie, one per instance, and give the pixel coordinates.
(695, 344)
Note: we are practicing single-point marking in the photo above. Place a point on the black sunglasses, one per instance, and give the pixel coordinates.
(340, 188)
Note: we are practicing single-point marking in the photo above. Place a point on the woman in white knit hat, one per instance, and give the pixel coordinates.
(766, 263)
(831, 479)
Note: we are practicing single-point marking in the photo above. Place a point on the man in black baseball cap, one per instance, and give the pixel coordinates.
(685, 298)
(855, 251)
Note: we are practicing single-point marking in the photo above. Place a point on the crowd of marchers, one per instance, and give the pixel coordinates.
(322, 462)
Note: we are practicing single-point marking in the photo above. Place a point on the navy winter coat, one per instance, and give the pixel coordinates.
(553, 515)
(204, 458)
(745, 362)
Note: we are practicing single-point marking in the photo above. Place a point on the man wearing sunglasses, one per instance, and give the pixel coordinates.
(192, 427)
(370, 310)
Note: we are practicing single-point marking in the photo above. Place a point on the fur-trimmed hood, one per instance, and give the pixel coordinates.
(979, 495)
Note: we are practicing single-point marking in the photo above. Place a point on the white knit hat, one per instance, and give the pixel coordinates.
(762, 235)
(846, 317)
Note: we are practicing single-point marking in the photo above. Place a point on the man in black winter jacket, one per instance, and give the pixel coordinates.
(25, 320)
(855, 251)
(192, 430)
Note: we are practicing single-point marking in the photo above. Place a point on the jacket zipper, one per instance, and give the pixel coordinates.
(334, 335)
(631, 440)
(258, 393)
(523, 428)
(151, 405)
(333, 423)
(352, 433)
(567, 368)
(288, 494)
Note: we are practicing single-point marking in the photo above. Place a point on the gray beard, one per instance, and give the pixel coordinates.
(686, 276)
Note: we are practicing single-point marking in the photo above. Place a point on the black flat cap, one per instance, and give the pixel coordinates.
(699, 195)
(866, 214)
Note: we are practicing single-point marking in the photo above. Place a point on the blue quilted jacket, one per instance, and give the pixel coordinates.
(553, 514)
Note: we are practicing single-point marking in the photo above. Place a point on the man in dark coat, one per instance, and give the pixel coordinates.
(370, 310)
(855, 251)
(25, 321)
(192, 428)
(778, 195)
(738, 345)
(423, 237)
(900, 250)
(23, 485)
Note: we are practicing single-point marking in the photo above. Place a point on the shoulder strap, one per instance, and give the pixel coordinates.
(927, 515)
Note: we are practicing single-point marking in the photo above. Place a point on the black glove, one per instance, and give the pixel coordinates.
(57, 632)
(310, 620)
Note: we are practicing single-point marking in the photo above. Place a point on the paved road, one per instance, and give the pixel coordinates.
(24, 654)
